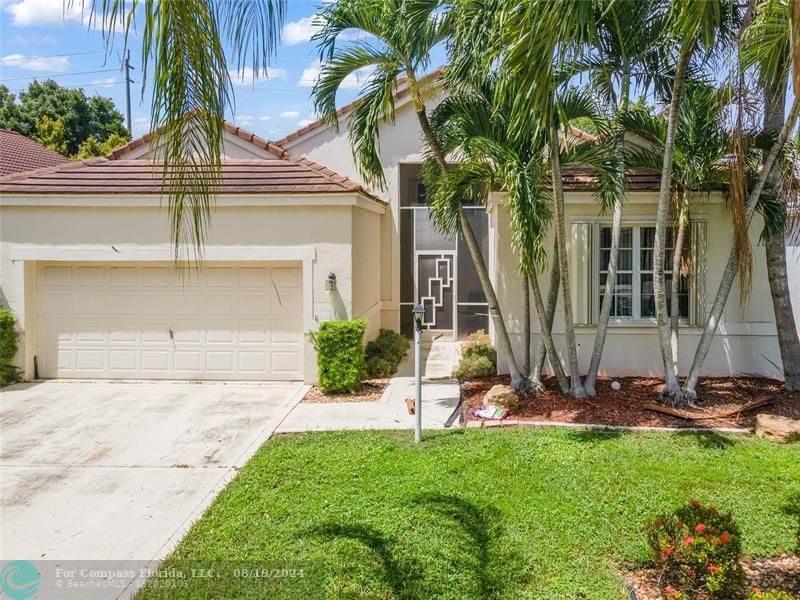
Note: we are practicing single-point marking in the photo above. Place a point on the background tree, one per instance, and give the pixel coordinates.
(92, 147)
(81, 116)
(51, 134)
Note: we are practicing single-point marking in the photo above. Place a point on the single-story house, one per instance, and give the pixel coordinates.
(296, 238)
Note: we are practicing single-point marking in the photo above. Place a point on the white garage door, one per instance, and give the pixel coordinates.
(241, 321)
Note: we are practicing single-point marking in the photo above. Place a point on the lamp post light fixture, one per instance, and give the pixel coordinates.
(419, 312)
(330, 283)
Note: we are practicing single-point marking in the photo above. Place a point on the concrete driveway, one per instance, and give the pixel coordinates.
(118, 471)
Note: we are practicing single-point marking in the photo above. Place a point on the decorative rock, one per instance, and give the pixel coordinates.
(503, 396)
(615, 385)
(780, 429)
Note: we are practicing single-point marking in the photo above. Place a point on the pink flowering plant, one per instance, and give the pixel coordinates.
(697, 549)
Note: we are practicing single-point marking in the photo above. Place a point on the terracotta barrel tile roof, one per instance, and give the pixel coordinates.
(18, 154)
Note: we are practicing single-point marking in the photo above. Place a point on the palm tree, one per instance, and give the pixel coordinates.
(624, 53)
(530, 42)
(185, 42)
(771, 55)
(405, 32)
(474, 124)
(781, 21)
(699, 164)
(697, 28)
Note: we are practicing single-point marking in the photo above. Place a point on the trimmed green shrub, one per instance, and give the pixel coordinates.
(340, 355)
(473, 367)
(478, 357)
(385, 352)
(8, 348)
(698, 550)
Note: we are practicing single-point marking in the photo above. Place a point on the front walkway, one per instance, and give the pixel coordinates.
(439, 399)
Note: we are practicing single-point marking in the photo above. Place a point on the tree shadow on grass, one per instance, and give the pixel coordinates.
(481, 528)
(397, 573)
(708, 440)
(792, 508)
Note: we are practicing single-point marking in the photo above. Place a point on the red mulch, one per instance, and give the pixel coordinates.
(623, 407)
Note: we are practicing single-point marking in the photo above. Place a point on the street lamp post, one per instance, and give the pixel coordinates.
(418, 311)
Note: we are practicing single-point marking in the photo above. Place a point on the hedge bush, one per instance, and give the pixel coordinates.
(698, 550)
(478, 357)
(8, 348)
(384, 354)
(340, 355)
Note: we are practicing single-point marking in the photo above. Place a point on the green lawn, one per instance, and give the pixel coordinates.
(516, 513)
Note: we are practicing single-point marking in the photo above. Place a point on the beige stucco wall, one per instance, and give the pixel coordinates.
(367, 275)
(400, 143)
(746, 332)
(248, 231)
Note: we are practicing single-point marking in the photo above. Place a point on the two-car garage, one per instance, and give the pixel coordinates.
(241, 321)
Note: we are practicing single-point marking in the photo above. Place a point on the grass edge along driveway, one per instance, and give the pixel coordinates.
(515, 513)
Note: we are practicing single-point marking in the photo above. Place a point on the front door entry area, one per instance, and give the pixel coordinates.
(435, 284)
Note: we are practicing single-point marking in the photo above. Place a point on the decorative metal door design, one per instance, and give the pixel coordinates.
(435, 283)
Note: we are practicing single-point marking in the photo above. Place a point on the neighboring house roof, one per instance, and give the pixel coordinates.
(19, 153)
(109, 175)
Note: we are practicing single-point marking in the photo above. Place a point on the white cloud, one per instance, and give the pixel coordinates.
(304, 122)
(104, 81)
(245, 119)
(245, 76)
(301, 32)
(58, 64)
(290, 114)
(31, 40)
(44, 13)
(298, 32)
(354, 81)
(264, 118)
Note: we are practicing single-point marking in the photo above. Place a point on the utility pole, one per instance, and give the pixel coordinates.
(126, 64)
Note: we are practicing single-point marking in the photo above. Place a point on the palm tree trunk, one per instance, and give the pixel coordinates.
(526, 324)
(671, 391)
(613, 255)
(712, 322)
(784, 313)
(576, 386)
(547, 347)
(675, 313)
(608, 300)
(775, 247)
(503, 341)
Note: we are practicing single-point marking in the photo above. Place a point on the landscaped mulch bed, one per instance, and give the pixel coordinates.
(624, 406)
(371, 391)
(775, 573)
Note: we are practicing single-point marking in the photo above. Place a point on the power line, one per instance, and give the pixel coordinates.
(57, 75)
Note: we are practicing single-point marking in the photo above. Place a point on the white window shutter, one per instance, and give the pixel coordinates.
(582, 268)
(697, 276)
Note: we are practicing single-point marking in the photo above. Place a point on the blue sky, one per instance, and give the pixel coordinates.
(38, 39)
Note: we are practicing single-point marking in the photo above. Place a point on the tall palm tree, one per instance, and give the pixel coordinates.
(697, 28)
(474, 124)
(530, 42)
(405, 32)
(770, 42)
(185, 42)
(624, 53)
(700, 163)
(771, 30)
